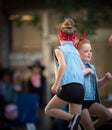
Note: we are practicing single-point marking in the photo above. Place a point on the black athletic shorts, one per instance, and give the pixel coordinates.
(72, 93)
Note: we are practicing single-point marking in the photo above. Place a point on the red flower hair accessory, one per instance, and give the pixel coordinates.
(80, 39)
(66, 37)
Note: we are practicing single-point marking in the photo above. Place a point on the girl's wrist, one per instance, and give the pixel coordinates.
(105, 78)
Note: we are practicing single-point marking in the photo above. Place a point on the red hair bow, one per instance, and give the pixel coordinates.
(66, 37)
(80, 39)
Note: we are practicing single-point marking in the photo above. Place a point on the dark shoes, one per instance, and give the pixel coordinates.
(73, 124)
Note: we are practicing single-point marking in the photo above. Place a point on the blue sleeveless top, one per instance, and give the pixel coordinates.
(90, 83)
(73, 72)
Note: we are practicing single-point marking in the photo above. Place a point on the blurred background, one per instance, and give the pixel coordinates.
(28, 32)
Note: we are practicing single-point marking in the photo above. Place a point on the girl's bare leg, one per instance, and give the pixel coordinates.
(86, 120)
(53, 109)
(75, 109)
(103, 114)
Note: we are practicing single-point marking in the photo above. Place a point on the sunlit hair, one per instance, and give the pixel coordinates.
(67, 30)
(85, 41)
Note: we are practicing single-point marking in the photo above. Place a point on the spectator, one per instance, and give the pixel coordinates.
(37, 81)
(7, 87)
(7, 96)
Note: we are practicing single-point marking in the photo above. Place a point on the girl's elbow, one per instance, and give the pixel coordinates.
(64, 66)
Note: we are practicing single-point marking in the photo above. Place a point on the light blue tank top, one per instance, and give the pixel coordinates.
(90, 83)
(73, 72)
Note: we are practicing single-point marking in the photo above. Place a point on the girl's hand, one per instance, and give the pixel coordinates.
(108, 76)
(91, 71)
(54, 89)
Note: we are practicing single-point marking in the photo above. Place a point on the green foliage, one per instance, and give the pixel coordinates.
(35, 20)
(18, 21)
(97, 15)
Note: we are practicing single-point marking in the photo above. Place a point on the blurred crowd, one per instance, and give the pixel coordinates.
(14, 82)
(31, 80)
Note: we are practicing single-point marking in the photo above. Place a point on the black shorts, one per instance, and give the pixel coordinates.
(87, 104)
(72, 93)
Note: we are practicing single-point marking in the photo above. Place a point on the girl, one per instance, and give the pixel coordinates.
(91, 103)
(68, 84)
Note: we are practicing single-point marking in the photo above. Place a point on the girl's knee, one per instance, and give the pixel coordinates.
(109, 115)
(106, 115)
(46, 110)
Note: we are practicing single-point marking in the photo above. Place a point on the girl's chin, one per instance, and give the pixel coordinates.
(87, 60)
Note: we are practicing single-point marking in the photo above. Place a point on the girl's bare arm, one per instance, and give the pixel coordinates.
(60, 71)
(103, 80)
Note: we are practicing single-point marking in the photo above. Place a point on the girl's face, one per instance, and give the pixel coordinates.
(86, 52)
